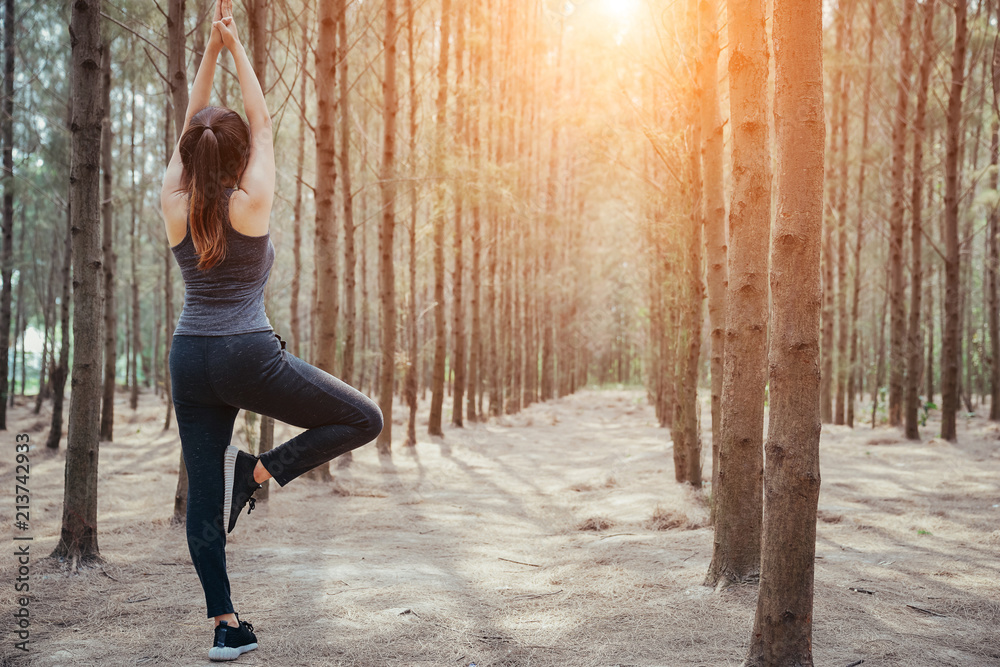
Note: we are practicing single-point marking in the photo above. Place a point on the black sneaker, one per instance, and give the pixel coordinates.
(230, 642)
(240, 485)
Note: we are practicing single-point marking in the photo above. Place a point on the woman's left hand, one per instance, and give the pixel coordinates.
(215, 38)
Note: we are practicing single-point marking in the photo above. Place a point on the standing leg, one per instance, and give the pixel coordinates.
(254, 372)
(205, 425)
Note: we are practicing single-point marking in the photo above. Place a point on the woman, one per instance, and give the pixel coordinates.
(216, 204)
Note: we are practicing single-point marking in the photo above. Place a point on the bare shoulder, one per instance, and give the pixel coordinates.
(174, 207)
(249, 215)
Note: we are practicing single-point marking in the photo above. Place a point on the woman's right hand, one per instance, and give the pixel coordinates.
(227, 25)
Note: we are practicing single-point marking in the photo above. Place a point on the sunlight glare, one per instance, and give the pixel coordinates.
(623, 10)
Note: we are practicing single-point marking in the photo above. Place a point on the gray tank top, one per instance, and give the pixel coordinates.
(229, 297)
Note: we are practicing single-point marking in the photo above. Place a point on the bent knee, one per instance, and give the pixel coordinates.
(373, 417)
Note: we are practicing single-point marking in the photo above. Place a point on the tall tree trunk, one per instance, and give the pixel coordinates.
(110, 260)
(474, 379)
(325, 308)
(134, 254)
(897, 322)
(295, 319)
(19, 324)
(880, 355)
(860, 227)
(61, 371)
(7, 258)
(738, 513)
(828, 339)
(915, 339)
(458, 312)
(950, 343)
(839, 407)
(413, 354)
(347, 198)
(687, 456)
(782, 633)
(440, 191)
(176, 106)
(991, 285)
(715, 209)
(78, 536)
(387, 188)
(49, 339)
(929, 326)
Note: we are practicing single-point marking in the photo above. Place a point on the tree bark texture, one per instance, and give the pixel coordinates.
(782, 633)
(110, 260)
(715, 208)
(438, 213)
(897, 320)
(915, 356)
(738, 513)
(78, 536)
(950, 344)
(387, 188)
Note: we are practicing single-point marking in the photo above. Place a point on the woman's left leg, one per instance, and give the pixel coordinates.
(255, 372)
(205, 424)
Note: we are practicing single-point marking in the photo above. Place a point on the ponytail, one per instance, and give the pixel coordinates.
(206, 194)
(214, 148)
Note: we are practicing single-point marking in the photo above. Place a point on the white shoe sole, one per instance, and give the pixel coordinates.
(218, 653)
(229, 476)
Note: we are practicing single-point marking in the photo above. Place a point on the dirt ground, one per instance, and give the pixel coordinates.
(524, 542)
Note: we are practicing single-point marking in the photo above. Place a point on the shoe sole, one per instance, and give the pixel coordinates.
(219, 653)
(229, 477)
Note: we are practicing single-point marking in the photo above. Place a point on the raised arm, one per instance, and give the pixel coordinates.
(201, 92)
(252, 203)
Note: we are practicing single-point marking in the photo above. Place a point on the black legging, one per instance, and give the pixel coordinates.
(212, 377)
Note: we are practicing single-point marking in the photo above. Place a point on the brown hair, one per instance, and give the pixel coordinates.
(214, 148)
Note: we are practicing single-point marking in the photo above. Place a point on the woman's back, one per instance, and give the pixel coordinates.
(229, 297)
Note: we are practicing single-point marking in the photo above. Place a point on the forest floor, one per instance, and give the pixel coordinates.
(528, 541)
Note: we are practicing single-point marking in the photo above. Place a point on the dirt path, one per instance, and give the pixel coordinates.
(475, 550)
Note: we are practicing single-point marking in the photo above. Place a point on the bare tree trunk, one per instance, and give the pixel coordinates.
(413, 354)
(134, 254)
(897, 322)
(782, 633)
(7, 258)
(440, 191)
(738, 509)
(458, 311)
(387, 187)
(347, 198)
(950, 343)
(880, 356)
(110, 260)
(295, 319)
(176, 106)
(860, 228)
(687, 461)
(839, 406)
(49, 339)
(78, 536)
(324, 343)
(19, 323)
(715, 209)
(991, 286)
(61, 371)
(929, 325)
(915, 339)
(474, 379)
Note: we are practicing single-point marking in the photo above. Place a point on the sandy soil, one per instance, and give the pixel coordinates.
(480, 548)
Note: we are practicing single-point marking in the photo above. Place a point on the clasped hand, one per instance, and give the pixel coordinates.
(223, 26)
